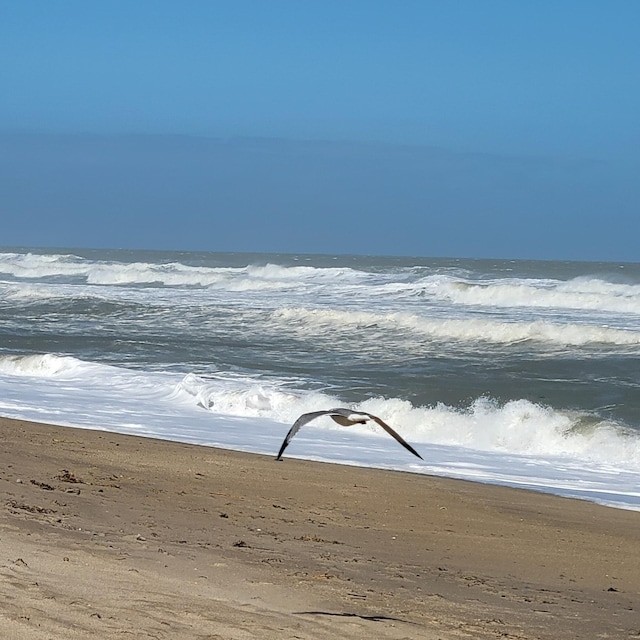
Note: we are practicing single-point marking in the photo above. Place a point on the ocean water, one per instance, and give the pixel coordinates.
(509, 372)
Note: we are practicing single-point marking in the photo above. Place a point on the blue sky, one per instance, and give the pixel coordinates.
(457, 128)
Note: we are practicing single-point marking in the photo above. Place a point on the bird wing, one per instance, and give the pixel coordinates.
(393, 434)
(343, 413)
(301, 421)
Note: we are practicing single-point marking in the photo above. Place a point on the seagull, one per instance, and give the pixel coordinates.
(345, 418)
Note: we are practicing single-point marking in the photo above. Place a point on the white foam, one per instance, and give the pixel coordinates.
(173, 274)
(519, 443)
(42, 366)
(26, 292)
(31, 265)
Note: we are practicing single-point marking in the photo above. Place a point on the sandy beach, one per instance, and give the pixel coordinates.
(110, 536)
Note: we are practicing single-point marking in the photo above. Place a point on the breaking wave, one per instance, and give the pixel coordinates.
(579, 293)
(171, 274)
(305, 321)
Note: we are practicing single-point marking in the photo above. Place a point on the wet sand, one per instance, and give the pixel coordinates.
(110, 536)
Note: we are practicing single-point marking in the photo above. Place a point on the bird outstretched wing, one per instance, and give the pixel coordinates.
(343, 417)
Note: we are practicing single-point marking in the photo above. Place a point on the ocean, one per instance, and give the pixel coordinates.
(521, 373)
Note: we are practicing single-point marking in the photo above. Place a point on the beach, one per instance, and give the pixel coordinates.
(105, 535)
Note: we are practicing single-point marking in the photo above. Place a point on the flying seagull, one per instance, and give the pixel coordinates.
(345, 418)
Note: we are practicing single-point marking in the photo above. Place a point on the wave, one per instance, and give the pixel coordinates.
(46, 365)
(312, 321)
(583, 293)
(171, 274)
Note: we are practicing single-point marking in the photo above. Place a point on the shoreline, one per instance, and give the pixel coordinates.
(103, 533)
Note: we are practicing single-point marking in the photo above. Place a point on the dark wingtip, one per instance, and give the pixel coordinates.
(415, 453)
(282, 448)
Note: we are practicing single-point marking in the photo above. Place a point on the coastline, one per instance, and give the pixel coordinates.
(104, 535)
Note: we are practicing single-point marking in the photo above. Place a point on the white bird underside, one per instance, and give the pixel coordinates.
(345, 418)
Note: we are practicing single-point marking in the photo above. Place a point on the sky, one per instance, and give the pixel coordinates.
(461, 128)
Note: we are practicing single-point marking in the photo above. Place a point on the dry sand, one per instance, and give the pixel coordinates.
(109, 536)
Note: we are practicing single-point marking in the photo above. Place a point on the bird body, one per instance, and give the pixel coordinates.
(345, 418)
